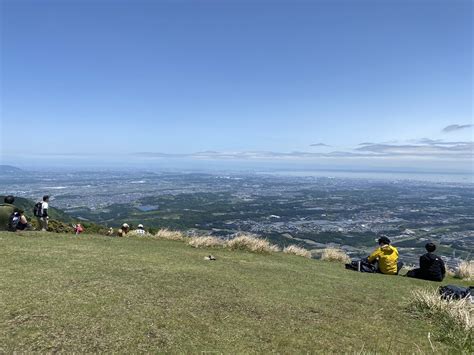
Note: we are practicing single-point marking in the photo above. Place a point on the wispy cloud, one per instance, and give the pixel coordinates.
(435, 142)
(455, 127)
(319, 145)
(427, 150)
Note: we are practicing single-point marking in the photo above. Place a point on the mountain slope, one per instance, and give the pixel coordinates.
(97, 294)
(9, 170)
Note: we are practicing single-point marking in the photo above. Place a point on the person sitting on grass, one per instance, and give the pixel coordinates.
(23, 222)
(140, 230)
(6, 209)
(386, 257)
(78, 228)
(432, 267)
(122, 232)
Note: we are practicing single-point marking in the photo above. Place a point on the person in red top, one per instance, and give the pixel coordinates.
(78, 229)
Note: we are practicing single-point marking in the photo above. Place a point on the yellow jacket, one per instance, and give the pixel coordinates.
(387, 257)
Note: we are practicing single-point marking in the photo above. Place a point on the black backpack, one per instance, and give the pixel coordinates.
(362, 265)
(13, 221)
(38, 209)
(452, 292)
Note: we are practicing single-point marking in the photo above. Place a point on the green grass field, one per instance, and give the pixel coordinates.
(92, 293)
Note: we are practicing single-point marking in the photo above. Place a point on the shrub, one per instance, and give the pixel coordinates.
(295, 250)
(251, 243)
(465, 270)
(336, 255)
(170, 235)
(206, 242)
(454, 318)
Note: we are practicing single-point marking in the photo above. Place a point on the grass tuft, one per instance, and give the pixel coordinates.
(252, 243)
(453, 318)
(295, 250)
(465, 270)
(170, 235)
(335, 255)
(206, 242)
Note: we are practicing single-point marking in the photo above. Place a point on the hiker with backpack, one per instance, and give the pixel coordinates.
(6, 209)
(41, 213)
(431, 268)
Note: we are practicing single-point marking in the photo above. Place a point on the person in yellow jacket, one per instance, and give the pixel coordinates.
(386, 256)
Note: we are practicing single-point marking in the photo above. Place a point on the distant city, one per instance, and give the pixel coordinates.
(312, 211)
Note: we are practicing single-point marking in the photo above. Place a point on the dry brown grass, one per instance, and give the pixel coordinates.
(170, 235)
(251, 243)
(206, 242)
(335, 255)
(295, 250)
(455, 318)
(465, 270)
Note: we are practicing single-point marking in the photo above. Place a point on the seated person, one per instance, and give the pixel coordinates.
(23, 222)
(6, 209)
(78, 228)
(386, 256)
(431, 266)
(140, 230)
(122, 232)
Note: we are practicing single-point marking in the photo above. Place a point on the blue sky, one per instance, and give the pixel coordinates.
(239, 80)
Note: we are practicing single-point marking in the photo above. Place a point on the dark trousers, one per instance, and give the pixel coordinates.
(399, 267)
(418, 274)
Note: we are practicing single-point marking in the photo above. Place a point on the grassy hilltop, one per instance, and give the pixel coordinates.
(92, 293)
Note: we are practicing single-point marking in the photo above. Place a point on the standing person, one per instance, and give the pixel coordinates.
(43, 216)
(6, 209)
(432, 267)
(386, 256)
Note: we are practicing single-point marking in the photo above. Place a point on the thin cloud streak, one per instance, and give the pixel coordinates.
(456, 151)
(455, 127)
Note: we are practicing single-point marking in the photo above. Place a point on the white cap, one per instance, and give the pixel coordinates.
(140, 226)
(125, 225)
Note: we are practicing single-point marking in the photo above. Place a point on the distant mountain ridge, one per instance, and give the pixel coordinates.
(9, 169)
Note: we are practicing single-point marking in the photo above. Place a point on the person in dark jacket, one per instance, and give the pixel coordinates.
(431, 266)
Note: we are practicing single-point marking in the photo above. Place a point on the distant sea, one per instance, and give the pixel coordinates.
(458, 178)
